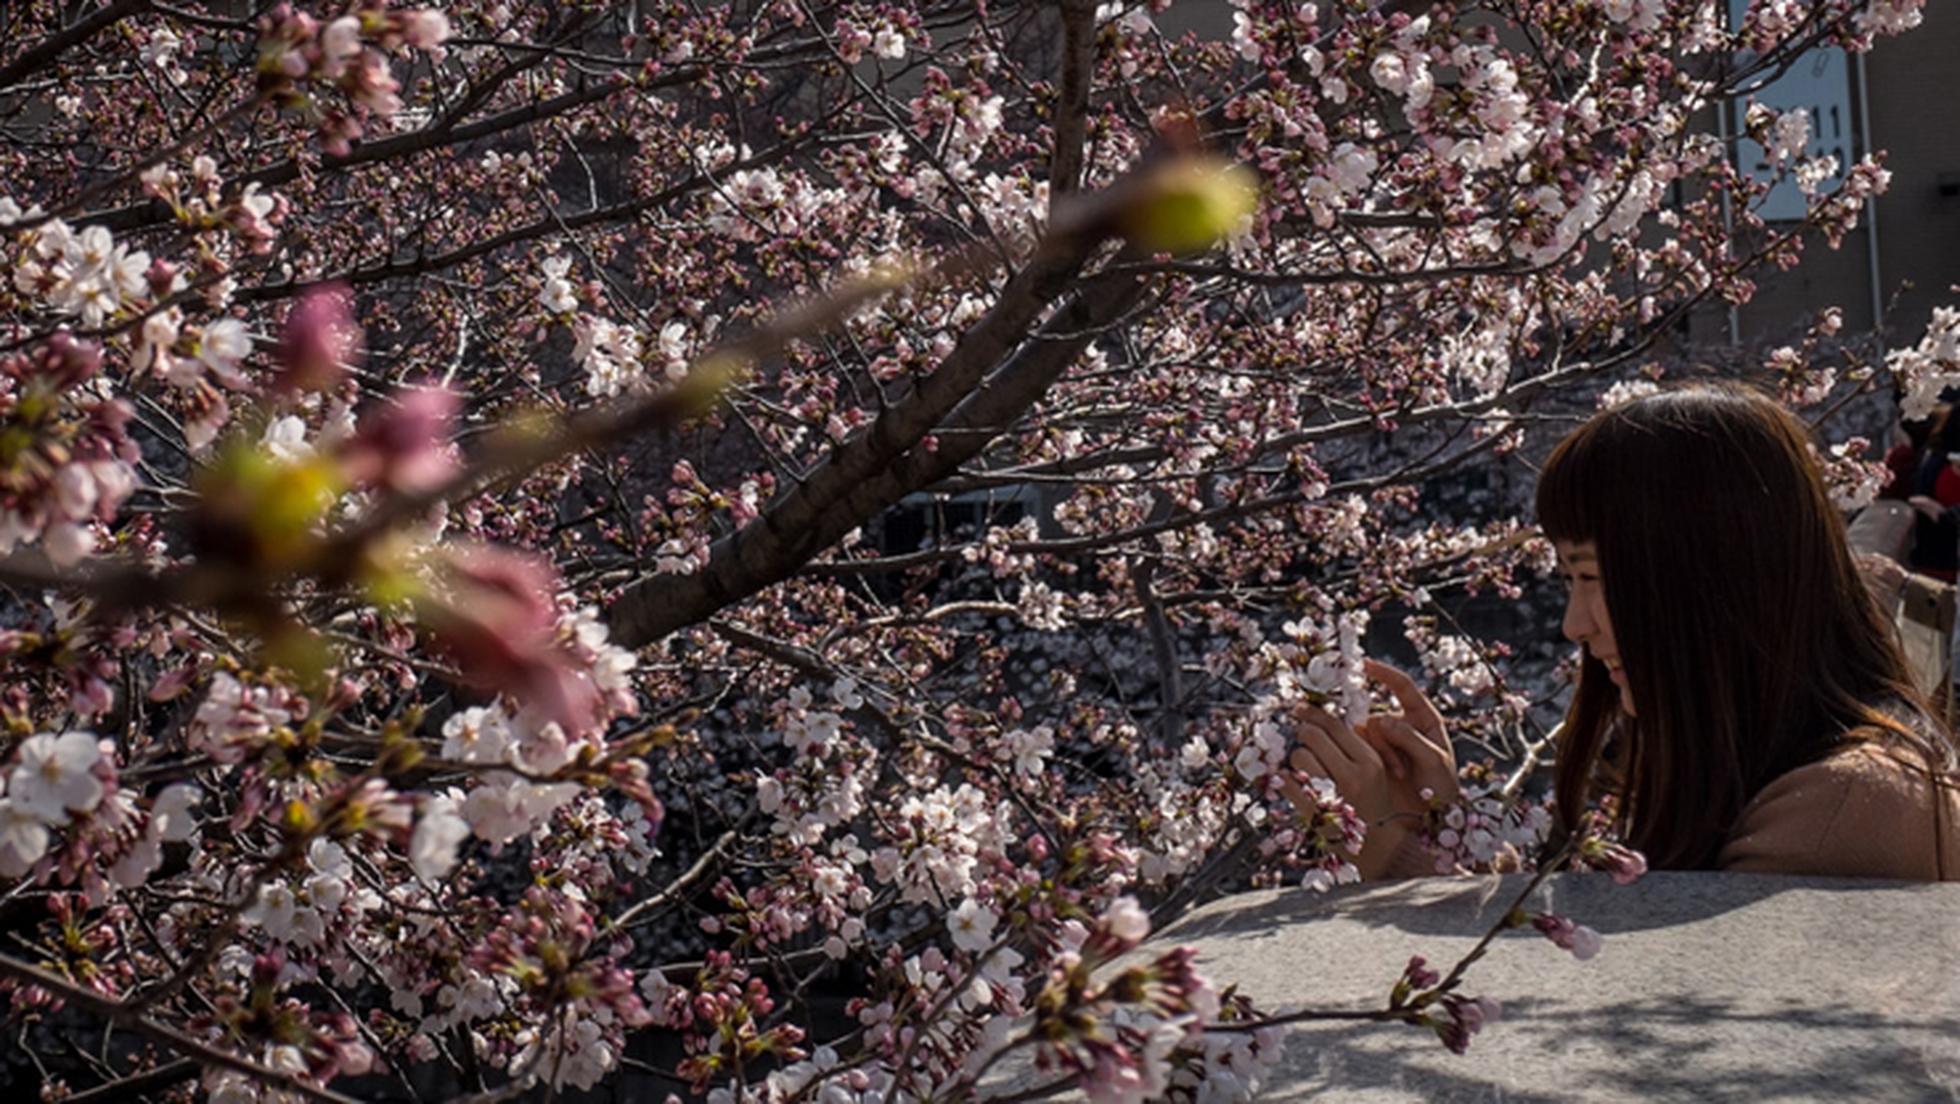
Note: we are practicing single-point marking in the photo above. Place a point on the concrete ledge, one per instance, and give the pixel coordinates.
(1711, 987)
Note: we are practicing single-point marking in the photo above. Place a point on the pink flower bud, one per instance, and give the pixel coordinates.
(1419, 975)
(66, 362)
(267, 967)
(1582, 941)
(1625, 865)
(498, 622)
(163, 277)
(319, 343)
(338, 132)
(404, 444)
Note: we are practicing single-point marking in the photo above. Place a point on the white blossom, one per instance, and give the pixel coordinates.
(558, 295)
(503, 809)
(432, 848)
(478, 734)
(56, 775)
(972, 925)
(610, 354)
(224, 344)
(171, 816)
(1127, 920)
(23, 839)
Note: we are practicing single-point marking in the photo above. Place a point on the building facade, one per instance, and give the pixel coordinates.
(1904, 98)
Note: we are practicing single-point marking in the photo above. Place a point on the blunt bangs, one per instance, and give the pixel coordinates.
(1566, 510)
(1664, 480)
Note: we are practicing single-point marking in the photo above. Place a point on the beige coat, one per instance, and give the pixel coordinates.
(1863, 812)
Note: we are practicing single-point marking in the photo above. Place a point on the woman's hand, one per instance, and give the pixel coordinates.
(1412, 743)
(1383, 767)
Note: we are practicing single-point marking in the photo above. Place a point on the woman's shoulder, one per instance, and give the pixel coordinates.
(1871, 809)
(1875, 770)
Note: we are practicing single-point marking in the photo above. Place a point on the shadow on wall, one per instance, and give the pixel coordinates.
(1827, 1054)
(1709, 987)
(1460, 906)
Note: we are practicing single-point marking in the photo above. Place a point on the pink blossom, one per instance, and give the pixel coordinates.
(425, 28)
(339, 41)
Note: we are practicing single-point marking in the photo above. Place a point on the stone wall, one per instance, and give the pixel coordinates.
(1710, 987)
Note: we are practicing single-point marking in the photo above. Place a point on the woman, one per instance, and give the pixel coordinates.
(1741, 699)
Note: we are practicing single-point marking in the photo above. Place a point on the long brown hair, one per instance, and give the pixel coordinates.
(1749, 643)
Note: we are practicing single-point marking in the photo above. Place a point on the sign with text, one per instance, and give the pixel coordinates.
(1820, 83)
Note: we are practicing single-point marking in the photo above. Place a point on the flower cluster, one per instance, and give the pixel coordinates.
(1482, 831)
(1929, 367)
(348, 53)
(84, 274)
(1320, 662)
(69, 463)
(1454, 1018)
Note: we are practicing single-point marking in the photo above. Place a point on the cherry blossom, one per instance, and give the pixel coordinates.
(1582, 941)
(54, 776)
(571, 527)
(432, 849)
(23, 838)
(972, 925)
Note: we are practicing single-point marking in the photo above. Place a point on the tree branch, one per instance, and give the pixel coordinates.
(1072, 112)
(444, 132)
(56, 44)
(122, 1015)
(870, 472)
(137, 1084)
(1163, 641)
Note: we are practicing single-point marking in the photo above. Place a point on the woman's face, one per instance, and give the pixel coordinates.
(1586, 622)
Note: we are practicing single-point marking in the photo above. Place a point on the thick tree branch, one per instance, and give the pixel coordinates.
(872, 471)
(1159, 523)
(1163, 647)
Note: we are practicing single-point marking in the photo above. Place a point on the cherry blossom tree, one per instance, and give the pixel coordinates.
(784, 534)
